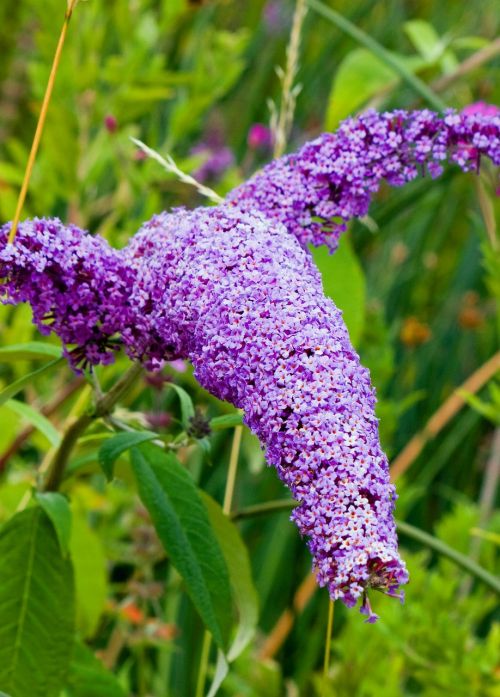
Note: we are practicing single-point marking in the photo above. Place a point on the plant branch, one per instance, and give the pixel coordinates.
(78, 426)
(328, 642)
(232, 469)
(267, 508)
(170, 165)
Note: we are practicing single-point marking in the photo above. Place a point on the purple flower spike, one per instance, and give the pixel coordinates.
(316, 191)
(244, 301)
(75, 283)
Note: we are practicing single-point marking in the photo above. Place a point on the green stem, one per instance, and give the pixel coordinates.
(328, 642)
(232, 469)
(76, 428)
(372, 45)
(264, 509)
(457, 557)
(202, 672)
(411, 531)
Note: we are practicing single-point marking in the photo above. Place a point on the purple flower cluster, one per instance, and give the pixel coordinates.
(332, 179)
(76, 285)
(230, 289)
(244, 301)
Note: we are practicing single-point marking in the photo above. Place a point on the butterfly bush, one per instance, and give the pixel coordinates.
(232, 290)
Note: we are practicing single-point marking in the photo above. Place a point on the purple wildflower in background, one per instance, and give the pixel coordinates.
(276, 15)
(259, 137)
(234, 289)
(332, 179)
(217, 161)
(217, 157)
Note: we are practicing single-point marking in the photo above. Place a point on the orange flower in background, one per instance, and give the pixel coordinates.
(132, 613)
(414, 333)
(470, 315)
(162, 630)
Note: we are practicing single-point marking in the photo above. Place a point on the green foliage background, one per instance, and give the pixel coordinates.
(171, 73)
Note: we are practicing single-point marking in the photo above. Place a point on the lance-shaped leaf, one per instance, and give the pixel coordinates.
(181, 521)
(39, 421)
(36, 607)
(56, 506)
(28, 350)
(344, 282)
(89, 678)
(187, 407)
(240, 574)
(18, 385)
(111, 449)
(226, 421)
(89, 564)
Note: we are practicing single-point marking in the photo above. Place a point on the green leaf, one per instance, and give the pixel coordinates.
(15, 387)
(38, 420)
(89, 563)
(111, 450)
(181, 521)
(425, 38)
(89, 678)
(397, 66)
(221, 670)
(359, 77)
(225, 421)
(187, 408)
(56, 506)
(344, 282)
(240, 575)
(11, 495)
(36, 607)
(11, 174)
(490, 410)
(429, 44)
(28, 350)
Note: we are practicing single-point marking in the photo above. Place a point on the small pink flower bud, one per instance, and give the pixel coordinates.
(259, 137)
(110, 123)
